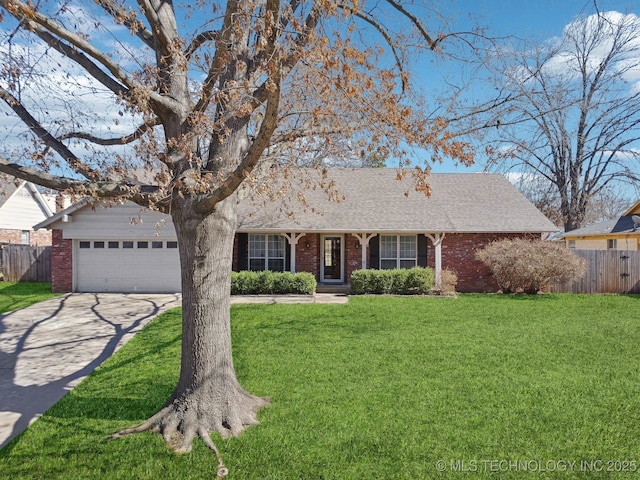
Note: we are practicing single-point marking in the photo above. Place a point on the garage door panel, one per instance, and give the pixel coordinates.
(128, 270)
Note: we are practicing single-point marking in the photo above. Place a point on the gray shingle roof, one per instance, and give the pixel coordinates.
(623, 224)
(373, 200)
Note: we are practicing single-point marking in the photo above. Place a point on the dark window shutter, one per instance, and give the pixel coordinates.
(243, 251)
(374, 253)
(287, 256)
(422, 250)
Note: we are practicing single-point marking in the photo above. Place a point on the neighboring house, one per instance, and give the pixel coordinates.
(374, 221)
(622, 233)
(21, 207)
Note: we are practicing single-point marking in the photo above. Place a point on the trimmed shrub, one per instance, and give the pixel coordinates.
(412, 281)
(418, 281)
(272, 283)
(527, 266)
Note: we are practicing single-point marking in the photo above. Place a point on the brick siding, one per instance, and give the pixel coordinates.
(61, 263)
(37, 238)
(308, 258)
(353, 256)
(458, 255)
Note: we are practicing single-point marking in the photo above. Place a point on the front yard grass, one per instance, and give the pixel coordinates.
(16, 295)
(491, 386)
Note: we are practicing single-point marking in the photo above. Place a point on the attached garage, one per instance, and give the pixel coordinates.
(131, 266)
(123, 249)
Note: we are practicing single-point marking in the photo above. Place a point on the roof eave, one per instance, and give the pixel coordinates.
(67, 211)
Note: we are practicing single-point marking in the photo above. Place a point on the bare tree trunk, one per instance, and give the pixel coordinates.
(208, 396)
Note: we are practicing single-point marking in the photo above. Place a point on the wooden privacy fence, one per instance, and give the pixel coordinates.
(607, 271)
(24, 263)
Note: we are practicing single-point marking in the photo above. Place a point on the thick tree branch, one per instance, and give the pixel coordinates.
(201, 39)
(122, 140)
(251, 158)
(49, 140)
(25, 13)
(107, 189)
(129, 20)
(220, 58)
(80, 58)
(159, 14)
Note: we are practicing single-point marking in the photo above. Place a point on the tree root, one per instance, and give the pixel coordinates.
(179, 424)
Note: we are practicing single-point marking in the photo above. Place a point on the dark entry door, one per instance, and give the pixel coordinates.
(332, 259)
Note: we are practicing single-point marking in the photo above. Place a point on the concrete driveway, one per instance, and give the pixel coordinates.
(48, 348)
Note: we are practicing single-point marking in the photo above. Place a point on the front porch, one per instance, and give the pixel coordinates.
(332, 257)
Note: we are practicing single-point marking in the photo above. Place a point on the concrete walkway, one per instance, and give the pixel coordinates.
(48, 348)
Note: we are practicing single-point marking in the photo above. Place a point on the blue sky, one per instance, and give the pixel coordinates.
(537, 20)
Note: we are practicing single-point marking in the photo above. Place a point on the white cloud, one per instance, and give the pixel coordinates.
(596, 38)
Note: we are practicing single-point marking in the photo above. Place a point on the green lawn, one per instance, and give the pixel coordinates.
(382, 388)
(16, 295)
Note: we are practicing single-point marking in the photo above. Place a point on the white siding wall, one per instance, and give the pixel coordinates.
(128, 221)
(21, 211)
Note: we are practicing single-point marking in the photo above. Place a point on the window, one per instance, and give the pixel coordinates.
(127, 244)
(267, 252)
(172, 244)
(85, 244)
(156, 244)
(398, 251)
(612, 244)
(113, 244)
(25, 237)
(572, 244)
(98, 244)
(143, 244)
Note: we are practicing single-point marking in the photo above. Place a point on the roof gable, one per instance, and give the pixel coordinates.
(21, 205)
(635, 209)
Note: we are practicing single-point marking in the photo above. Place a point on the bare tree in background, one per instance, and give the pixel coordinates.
(607, 204)
(573, 115)
(174, 107)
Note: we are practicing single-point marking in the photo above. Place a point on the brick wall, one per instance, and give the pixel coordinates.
(353, 256)
(61, 263)
(38, 238)
(458, 255)
(308, 258)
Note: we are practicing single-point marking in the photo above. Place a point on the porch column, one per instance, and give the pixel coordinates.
(364, 238)
(293, 238)
(436, 239)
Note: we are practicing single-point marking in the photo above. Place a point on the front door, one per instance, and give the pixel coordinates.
(332, 270)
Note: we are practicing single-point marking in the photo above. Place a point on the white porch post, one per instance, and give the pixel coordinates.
(436, 239)
(293, 238)
(364, 238)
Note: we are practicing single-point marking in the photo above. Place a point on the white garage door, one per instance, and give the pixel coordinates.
(130, 266)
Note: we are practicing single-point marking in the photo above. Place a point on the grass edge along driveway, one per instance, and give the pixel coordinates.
(17, 295)
(484, 386)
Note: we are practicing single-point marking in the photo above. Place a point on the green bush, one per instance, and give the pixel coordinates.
(527, 266)
(272, 283)
(412, 281)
